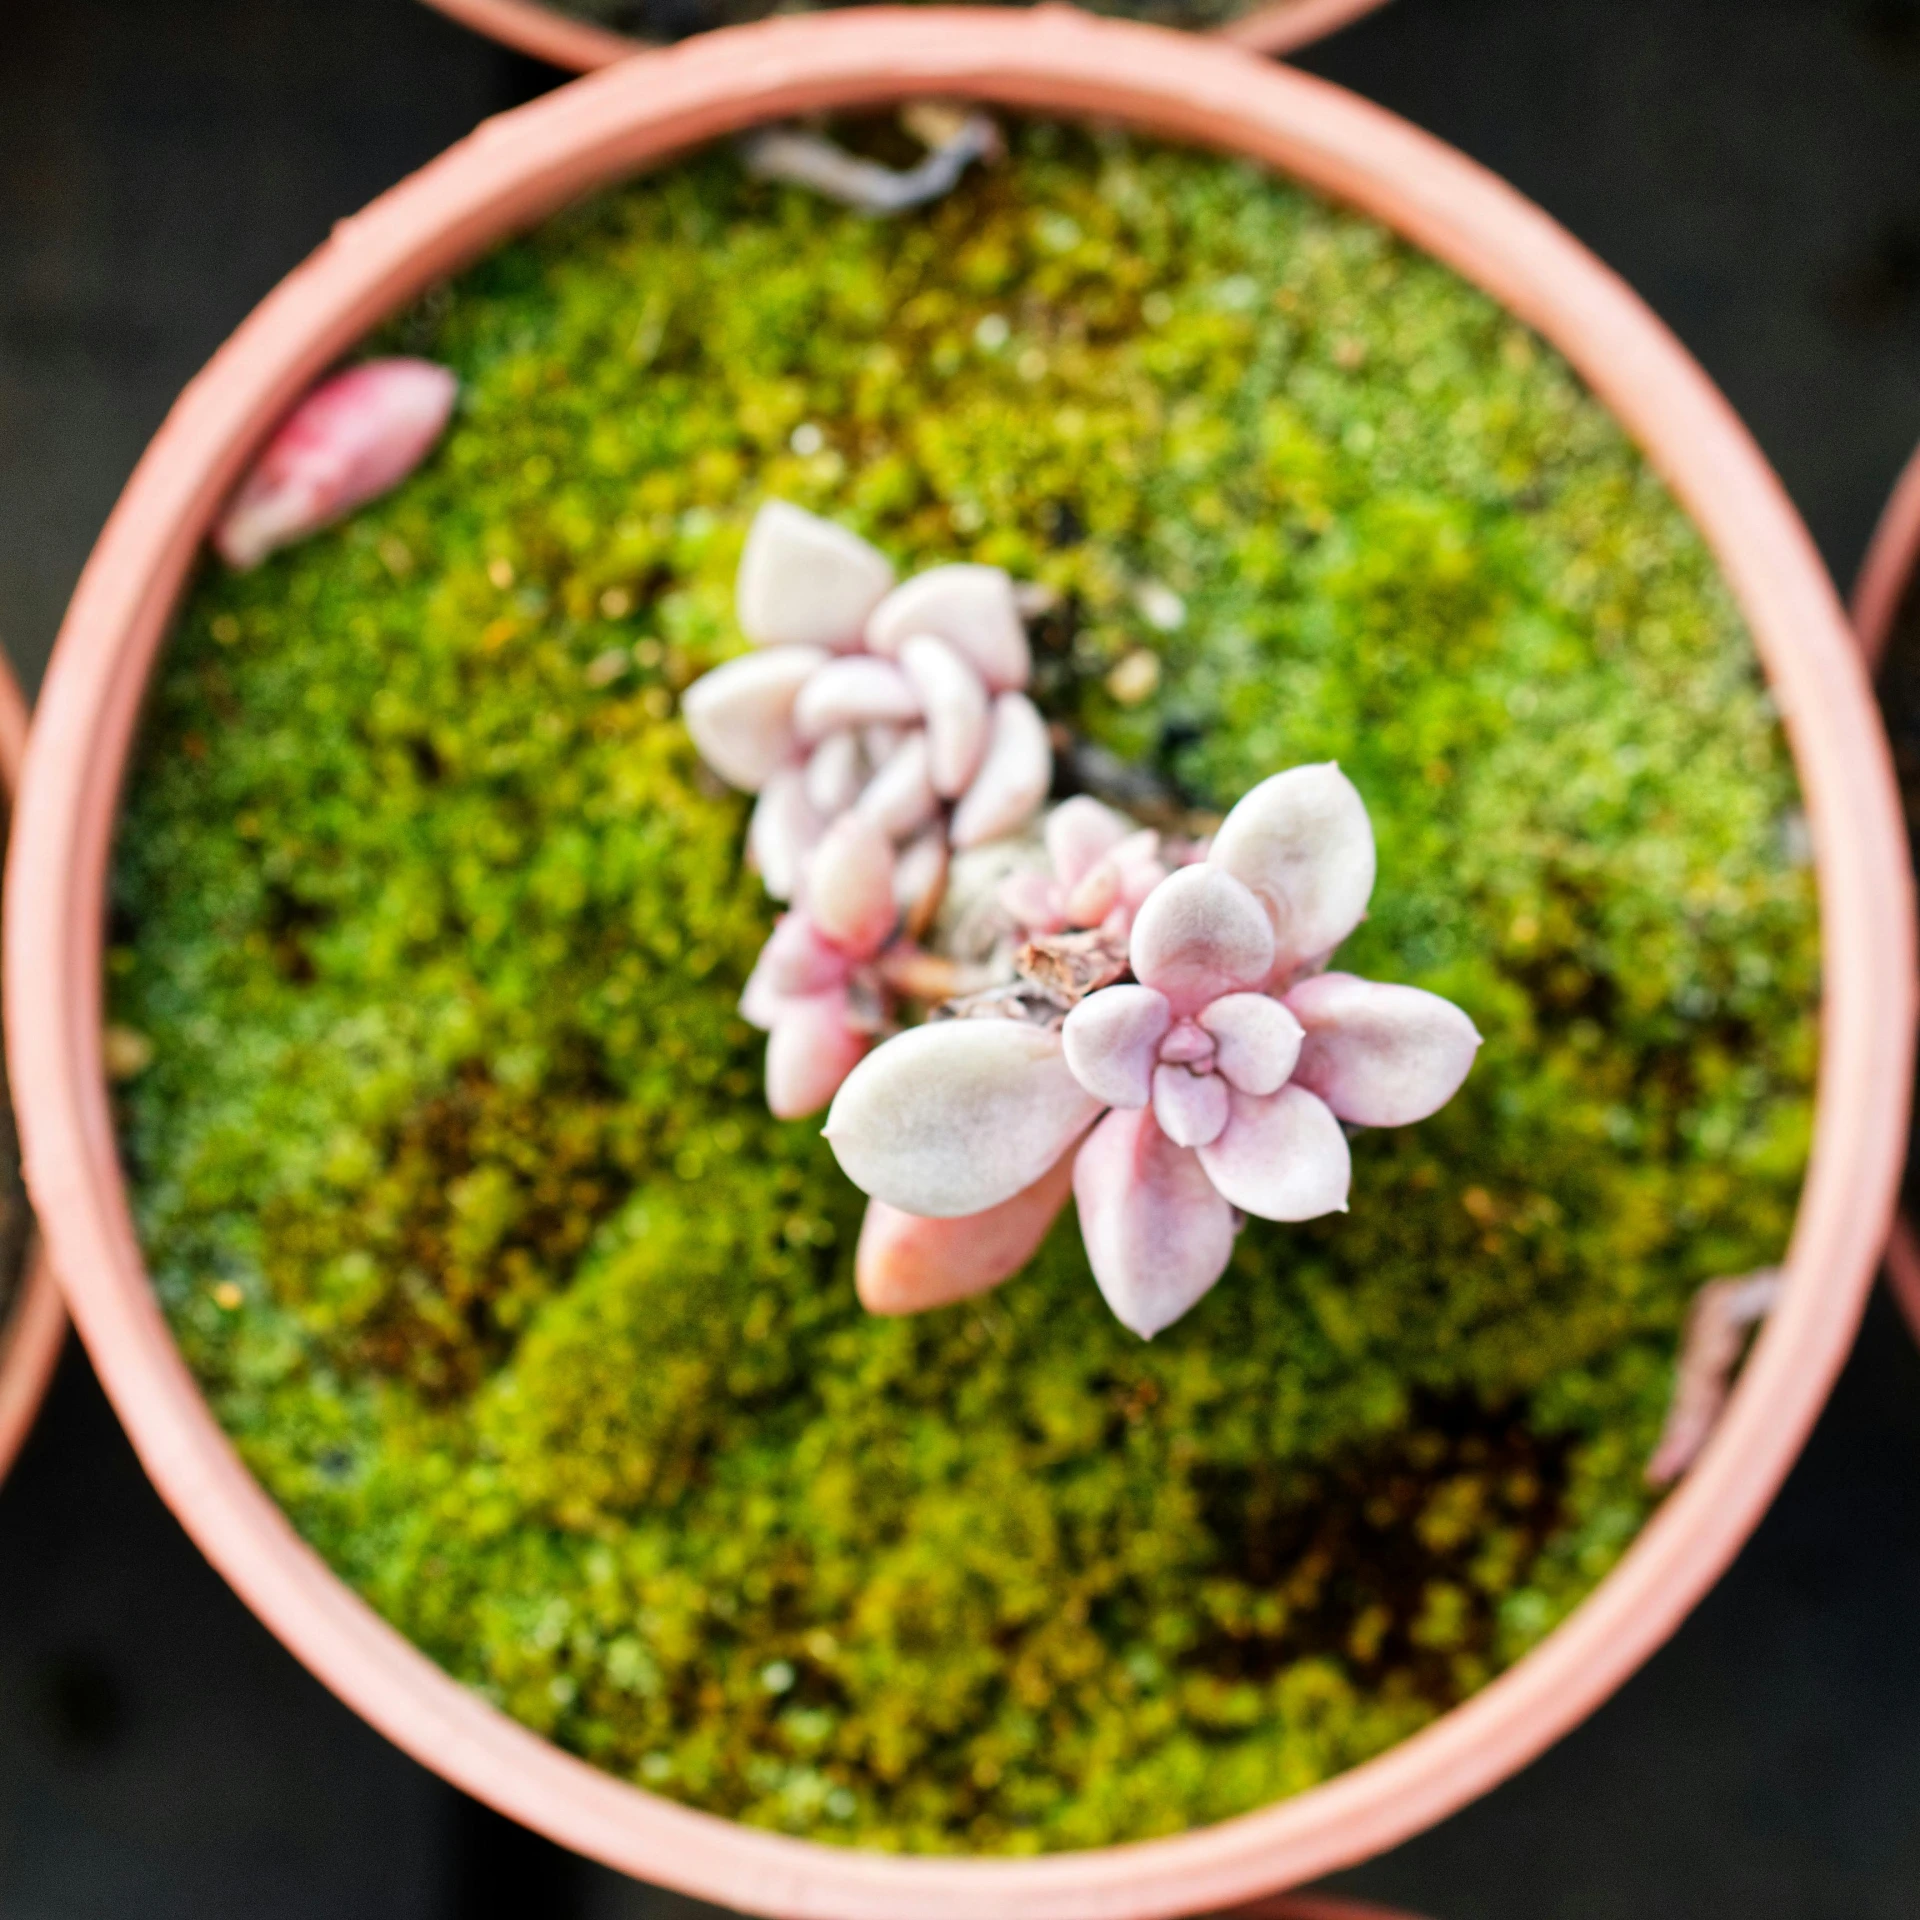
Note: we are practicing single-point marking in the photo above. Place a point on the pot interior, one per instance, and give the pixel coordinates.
(445, 1139)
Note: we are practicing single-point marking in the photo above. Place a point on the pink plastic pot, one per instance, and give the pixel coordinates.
(1279, 26)
(36, 1324)
(1880, 594)
(509, 174)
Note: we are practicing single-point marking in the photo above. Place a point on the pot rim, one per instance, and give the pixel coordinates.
(1881, 585)
(36, 1325)
(30, 1345)
(1879, 592)
(502, 178)
(1277, 27)
(1903, 1271)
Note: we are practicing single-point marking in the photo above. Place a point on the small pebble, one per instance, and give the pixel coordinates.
(125, 1053)
(1135, 679)
(1160, 606)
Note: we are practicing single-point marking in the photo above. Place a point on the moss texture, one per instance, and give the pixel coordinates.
(450, 1162)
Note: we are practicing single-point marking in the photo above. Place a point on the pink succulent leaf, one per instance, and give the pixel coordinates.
(1013, 778)
(836, 771)
(1190, 1106)
(1141, 852)
(810, 1051)
(1096, 896)
(1258, 1040)
(1033, 901)
(906, 1264)
(1200, 934)
(954, 699)
(1380, 1055)
(741, 714)
(1157, 1233)
(953, 1117)
(919, 879)
(1080, 834)
(785, 828)
(1138, 878)
(805, 582)
(1112, 1039)
(760, 1005)
(854, 691)
(795, 964)
(849, 890)
(1282, 1156)
(900, 799)
(1302, 841)
(880, 744)
(1188, 1044)
(973, 609)
(353, 438)
(799, 960)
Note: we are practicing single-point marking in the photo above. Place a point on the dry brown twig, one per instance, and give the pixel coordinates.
(1723, 1314)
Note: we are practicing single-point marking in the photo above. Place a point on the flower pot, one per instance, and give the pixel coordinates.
(564, 40)
(32, 1321)
(1314, 1906)
(1881, 594)
(529, 163)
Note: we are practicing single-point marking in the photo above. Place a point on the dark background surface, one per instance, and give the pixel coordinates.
(1752, 166)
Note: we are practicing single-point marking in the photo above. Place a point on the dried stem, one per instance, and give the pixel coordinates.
(1069, 966)
(916, 974)
(812, 160)
(1722, 1315)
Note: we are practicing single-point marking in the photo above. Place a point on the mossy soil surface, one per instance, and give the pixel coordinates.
(450, 1161)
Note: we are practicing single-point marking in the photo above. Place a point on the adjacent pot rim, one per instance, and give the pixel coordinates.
(36, 1325)
(30, 1346)
(1886, 572)
(1277, 27)
(1880, 590)
(502, 178)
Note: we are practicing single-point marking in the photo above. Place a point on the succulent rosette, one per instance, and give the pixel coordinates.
(882, 727)
(902, 703)
(1217, 1082)
(1101, 868)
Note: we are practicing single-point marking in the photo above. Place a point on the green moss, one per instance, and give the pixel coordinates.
(450, 1162)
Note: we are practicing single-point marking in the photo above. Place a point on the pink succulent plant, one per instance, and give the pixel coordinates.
(815, 990)
(353, 438)
(882, 726)
(1212, 1084)
(1103, 868)
(901, 703)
